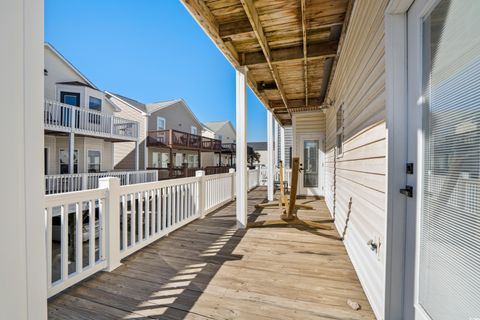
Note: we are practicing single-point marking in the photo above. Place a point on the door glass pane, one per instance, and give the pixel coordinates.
(310, 163)
(449, 256)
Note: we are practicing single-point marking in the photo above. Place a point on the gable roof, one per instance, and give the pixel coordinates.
(69, 64)
(141, 107)
(156, 106)
(217, 125)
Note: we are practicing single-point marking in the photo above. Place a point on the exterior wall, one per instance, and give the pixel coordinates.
(228, 134)
(305, 123)
(176, 117)
(82, 144)
(263, 156)
(59, 71)
(124, 152)
(359, 84)
(288, 133)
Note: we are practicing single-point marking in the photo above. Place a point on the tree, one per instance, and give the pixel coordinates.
(252, 156)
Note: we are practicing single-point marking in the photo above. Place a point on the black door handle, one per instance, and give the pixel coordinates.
(408, 191)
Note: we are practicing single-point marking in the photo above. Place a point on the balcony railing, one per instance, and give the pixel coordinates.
(60, 183)
(66, 118)
(229, 147)
(182, 140)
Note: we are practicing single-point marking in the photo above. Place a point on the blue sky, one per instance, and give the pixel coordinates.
(149, 50)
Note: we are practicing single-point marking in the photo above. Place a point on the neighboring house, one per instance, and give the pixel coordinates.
(170, 135)
(225, 132)
(81, 123)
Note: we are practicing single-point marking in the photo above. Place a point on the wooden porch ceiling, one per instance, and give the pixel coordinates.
(289, 46)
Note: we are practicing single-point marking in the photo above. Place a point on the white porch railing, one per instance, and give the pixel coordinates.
(66, 118)
(253, 178)
(61, 183)
(89, 231)
(287, 175)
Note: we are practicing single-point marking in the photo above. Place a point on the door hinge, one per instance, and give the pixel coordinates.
(408, 191)
(409, 168)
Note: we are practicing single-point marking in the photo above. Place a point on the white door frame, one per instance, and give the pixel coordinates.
(319, 191)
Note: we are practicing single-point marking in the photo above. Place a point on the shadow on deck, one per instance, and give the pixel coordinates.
(210, 270)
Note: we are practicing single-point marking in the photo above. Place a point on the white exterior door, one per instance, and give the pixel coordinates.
(444, 147)
(311, 153)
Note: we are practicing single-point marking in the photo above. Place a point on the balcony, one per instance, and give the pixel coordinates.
(60, 117)
(180, 140)
(229, 147)
(209, 269)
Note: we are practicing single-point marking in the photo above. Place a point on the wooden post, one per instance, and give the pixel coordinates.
(201, 194)
(241, 141)
(112, 221)
(270, 159)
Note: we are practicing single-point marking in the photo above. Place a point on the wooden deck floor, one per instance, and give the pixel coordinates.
(209, 270)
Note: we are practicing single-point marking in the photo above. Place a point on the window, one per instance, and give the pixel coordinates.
(95, 104)
(160, 159)
(340, 119)
(193, 161)
(161, 123)
(71, 98)
(220, 137)
(194, 130)
(93, 161)
(63, 157)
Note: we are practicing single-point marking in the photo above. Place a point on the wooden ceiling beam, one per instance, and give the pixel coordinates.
(305, 61)
(252, 15)
(296, 53)
(296, 103)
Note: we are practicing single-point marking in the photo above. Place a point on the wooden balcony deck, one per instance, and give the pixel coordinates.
(209, 270)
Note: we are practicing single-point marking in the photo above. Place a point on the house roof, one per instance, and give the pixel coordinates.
(69, 64)
(155, 106)
(132, 102)
(217, 125)
(77, 83)
(258, 146)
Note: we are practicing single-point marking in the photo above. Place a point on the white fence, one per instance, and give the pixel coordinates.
(287, 175)
(89, 231)
(60, 183)
(63, 117)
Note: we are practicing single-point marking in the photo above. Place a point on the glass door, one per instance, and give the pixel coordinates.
(310, 162)
(444, 95)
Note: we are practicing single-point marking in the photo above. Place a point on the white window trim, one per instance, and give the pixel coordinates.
(164, 123)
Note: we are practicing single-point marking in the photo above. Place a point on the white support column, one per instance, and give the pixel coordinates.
(282, 145)
(137, 156)
(71, 152)
(23, 276)
(241, 152)
(112, 222)
(276, 143)
(270, 157)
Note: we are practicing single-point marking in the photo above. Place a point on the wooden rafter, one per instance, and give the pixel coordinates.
(252, 15)
(305, 57)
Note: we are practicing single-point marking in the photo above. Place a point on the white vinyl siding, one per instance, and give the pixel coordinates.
(355, 182)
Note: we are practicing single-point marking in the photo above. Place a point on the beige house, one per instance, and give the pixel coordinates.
(225, 132)
(170, 136)
(82, 125)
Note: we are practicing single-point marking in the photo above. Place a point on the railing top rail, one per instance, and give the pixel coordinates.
(157, 184)
(58, 199)
(218, 176)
